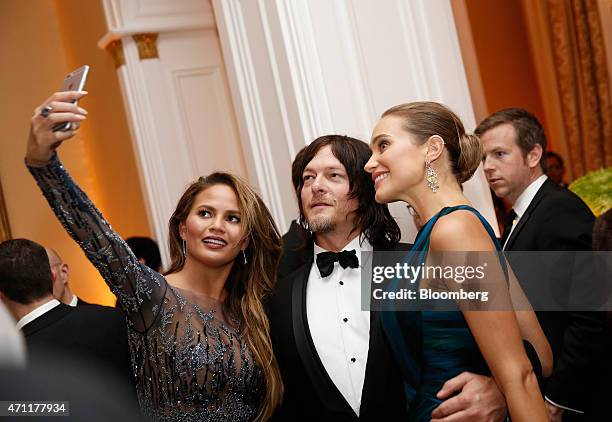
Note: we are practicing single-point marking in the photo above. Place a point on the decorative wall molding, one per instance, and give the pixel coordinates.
(288, 135)
(203, 105)
(147, 45)
(297, 70)
(305, 68)
(247, 100)
(145, 136)
(115, 48)
(178, 105)
(336, 66)
(127, 17)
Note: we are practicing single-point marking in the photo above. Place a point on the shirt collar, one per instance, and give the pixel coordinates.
(525, 198)
(359, 247)
(41, 310)
(74, 301)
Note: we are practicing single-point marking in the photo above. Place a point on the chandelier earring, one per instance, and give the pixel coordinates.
(431, 177)
(244, 257)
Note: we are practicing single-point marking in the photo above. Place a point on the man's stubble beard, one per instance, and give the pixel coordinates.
(321, 225)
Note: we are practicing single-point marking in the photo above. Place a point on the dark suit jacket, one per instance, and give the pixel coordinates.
(310, 394)
(295, 242)
(557, 220)
(81, 302)
(93, 334)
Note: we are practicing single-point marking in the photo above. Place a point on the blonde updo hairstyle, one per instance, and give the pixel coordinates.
(424, 119)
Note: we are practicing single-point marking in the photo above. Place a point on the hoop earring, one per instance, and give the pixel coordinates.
(431, 177)
(244, 257)
(184, 249)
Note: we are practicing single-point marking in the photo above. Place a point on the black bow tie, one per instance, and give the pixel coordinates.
(325, 261)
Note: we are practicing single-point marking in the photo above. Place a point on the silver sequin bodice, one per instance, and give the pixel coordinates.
(189, 360)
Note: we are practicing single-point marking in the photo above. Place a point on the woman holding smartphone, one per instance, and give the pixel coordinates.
(198, 335)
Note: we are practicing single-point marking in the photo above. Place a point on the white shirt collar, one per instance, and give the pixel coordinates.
(365, 246)
(74, 301)
(525, 198)
(41, 310)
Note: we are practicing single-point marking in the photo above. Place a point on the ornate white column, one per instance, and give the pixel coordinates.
(177, 98)
(301, 69)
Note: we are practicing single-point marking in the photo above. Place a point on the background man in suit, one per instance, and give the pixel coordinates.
(95, 335)
(544, 217)
(60, 273)
(334, 358)
(555, 169)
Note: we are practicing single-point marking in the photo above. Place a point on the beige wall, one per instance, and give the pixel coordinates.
(41, 41)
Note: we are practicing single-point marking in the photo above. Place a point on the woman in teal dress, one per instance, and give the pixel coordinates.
(421, 155)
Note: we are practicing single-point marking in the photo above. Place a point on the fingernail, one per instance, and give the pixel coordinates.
(82, 110)
(81, 117)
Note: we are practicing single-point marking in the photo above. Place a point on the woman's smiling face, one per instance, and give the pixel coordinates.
(397, 163)
(213, 230)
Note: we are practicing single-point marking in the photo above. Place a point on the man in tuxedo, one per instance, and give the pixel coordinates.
(94, 335)
(60, 274)
(334, 358)
(544, 217)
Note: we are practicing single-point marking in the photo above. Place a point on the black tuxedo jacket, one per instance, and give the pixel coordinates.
(557, 220)
(81, 302)
(95, 335)
(310, 394)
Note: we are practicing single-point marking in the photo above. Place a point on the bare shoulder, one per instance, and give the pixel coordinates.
(460, 231)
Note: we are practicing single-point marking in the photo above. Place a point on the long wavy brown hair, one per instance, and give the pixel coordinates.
(246, 285)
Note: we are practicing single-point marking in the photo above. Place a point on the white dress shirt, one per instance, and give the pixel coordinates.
(74, 301)
(523, 201)
(339, 328)
(41, 310)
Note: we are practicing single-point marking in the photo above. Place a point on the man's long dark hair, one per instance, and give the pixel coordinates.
(372, 219)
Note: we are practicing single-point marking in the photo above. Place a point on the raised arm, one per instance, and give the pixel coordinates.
(139, 289)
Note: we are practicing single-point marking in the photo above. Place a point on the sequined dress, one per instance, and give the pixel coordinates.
(189, 360)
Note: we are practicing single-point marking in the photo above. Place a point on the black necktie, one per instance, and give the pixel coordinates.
(508, 226)
(325, 261)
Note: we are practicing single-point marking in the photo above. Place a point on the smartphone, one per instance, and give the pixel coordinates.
(74, 81)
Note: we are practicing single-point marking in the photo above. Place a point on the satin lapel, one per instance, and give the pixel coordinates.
(517, 230)
(528, 212)
(325, 388)
(370, 381)
(371, 378)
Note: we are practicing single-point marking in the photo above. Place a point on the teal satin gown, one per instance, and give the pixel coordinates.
(432, 346)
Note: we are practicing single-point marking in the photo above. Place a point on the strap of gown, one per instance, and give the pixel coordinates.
(391, 320)
(489, 230)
